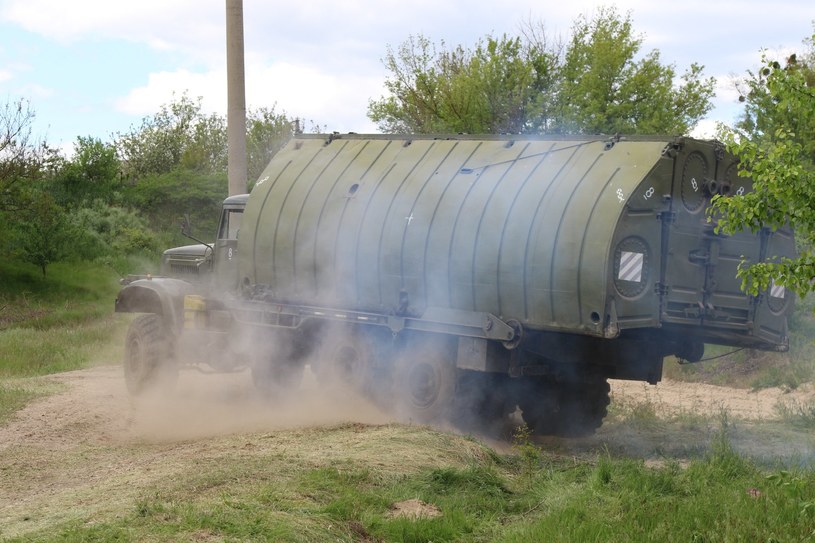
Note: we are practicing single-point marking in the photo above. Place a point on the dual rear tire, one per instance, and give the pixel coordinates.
(567, 409)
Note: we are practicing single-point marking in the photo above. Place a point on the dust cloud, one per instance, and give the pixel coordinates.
(204, 405)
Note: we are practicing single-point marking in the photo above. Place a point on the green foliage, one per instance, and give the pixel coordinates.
(798, 414)
(124, 198)
(492, 89)
(530, 84)
(604, 89)
(20, 156)
(91, 174)
(766, 109)
(103, 230)
(179, 135)
(266, 133)
(165, 198)
(42, 233)
(775, 148)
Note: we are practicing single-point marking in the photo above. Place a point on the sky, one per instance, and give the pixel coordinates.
(98, 67)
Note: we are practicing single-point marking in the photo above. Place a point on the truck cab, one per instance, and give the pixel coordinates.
(214, 264)
(226, 244)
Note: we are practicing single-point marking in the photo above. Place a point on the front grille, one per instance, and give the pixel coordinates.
(183, 268)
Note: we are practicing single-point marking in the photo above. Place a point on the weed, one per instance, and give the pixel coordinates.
(798, 414)
(528, 452)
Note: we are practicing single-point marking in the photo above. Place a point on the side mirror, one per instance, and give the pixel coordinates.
(185, 225)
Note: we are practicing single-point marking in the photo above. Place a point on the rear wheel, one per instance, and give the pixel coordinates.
(277, 366)
(425, 380)
(482, 401)
(539, 403)
(346, 357)
(147, 359)
(276, 378)
(583, 407)
(569, 409)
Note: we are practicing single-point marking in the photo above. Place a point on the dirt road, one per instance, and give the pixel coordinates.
(88, 448)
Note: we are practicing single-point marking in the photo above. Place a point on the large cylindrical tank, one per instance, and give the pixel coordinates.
(563, 234)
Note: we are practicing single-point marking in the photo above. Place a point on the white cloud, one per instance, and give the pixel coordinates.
(35, 90)
(81, 18)
(5, 75)
(338, 103)
(162, 86)
(320, 59)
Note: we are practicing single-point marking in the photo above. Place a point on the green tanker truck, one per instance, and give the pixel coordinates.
(465, 276)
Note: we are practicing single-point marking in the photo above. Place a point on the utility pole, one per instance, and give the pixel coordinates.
(236, 98)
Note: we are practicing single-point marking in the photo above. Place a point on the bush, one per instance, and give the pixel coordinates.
(105, 230)
(165, 198)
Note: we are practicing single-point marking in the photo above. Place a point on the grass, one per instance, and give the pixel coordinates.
(798, 414)
(51, 324)
(61, 322)
(13, 398)
(345, 483)
(746, 368)
(282, 491)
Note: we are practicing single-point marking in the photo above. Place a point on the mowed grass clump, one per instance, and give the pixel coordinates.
(279, 487)
(13, 398)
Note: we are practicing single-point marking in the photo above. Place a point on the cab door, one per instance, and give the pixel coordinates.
(226, 249)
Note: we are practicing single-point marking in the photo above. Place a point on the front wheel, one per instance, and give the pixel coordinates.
(147, 360)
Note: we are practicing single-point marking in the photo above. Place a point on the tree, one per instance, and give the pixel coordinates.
(763, 114)
(93, 173)
(490, 89)
(266, 133)
(604, 89)
(530, 84)
(775, 148)
(180, 135)
(44, 235)
(20, 156)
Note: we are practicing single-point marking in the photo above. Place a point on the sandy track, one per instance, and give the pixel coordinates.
(94, 408)
(676, 397)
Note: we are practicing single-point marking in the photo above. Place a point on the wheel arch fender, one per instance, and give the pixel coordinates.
(162, 296)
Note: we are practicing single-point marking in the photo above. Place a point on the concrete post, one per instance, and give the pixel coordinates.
(236, 98)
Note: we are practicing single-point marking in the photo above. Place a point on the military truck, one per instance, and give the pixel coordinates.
(465, 276)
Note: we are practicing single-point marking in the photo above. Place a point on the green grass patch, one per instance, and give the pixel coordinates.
(746, 368)
(798, 414)
(26, 352)
(718, 496)
(16, 393)
(61, 322)
(74, 292)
